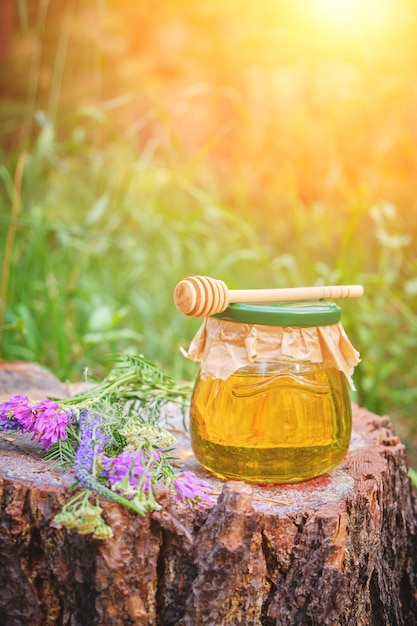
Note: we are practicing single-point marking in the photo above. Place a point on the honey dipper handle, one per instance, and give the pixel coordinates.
(295, 293)
(200, 296)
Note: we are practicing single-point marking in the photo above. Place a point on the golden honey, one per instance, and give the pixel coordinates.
(272, 423)
(271, 401)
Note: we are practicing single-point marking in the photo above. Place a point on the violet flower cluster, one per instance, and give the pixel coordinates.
(135, 473)
(189, 488)
(130, 469)
(92, 444)
(129, 474)
(47, 420)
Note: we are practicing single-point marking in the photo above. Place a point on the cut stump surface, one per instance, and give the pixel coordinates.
(336, 550)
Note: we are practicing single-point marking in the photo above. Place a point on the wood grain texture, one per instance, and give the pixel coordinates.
(337, 550)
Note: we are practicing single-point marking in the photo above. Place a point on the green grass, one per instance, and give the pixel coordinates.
(98, 249)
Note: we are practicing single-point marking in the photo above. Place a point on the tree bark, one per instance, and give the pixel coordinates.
(337, 550)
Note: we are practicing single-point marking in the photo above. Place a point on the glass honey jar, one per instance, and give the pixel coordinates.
(271, 400)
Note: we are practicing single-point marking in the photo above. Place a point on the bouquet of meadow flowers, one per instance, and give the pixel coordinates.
(112, 437)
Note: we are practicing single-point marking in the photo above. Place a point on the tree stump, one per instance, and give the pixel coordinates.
(337, 550)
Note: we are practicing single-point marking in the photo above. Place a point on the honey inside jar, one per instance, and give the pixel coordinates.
(271, 401)
(272, 423)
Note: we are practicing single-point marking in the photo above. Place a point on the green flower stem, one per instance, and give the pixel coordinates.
(99, 392)
(72, 432)
(144, 392)
(94, 467)
(91, 483)
(145, 474)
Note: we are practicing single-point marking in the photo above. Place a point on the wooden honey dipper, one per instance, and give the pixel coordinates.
(200, 296)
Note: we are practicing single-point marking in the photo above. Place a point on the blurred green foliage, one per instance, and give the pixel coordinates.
(202, 139)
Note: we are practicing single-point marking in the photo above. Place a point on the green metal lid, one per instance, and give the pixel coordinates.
(302, 313)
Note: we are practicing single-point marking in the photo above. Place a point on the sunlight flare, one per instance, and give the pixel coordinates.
(361, 15)
(338, 11)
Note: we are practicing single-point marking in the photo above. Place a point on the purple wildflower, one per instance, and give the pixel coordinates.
(85, 419)
(189, 487)
(130, 466)
(8, 420)
(10, 405)
(47, 420)
(25, 415)
(16, 413)
(92, 444)
(50, 423)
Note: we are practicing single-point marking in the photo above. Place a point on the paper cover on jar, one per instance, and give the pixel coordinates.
(223, 346)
